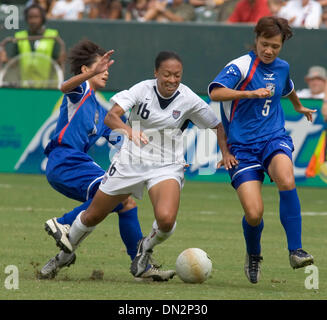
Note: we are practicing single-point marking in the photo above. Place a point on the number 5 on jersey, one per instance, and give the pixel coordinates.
(266, 108)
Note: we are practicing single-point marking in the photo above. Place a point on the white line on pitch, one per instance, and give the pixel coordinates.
(314, 213)
(29, 209)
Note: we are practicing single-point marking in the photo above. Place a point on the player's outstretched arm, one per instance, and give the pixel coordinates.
(299, 107)
(114, 122)
(227, 94)
(228, 160)
(102, 65)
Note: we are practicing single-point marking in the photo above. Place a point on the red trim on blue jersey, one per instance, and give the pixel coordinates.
(62, 132)
(245, 83)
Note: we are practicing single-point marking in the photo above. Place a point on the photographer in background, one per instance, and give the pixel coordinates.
(316, 80)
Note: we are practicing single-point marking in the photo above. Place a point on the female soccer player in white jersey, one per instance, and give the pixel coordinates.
(151, 155)
(250, 88)
(71, 171)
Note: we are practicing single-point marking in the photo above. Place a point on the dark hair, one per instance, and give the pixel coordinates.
(35, 6)
(84, 53)
(166, 55)
(269, 27)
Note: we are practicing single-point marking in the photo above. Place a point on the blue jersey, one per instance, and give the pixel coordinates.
(80, 123)
(248, 121)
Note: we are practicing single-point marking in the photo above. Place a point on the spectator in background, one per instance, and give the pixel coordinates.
(136, 10)
(47, 5)
(209, 10)
(206, 3)
(316, 80)
(302, 13)
(324, 105)
(226, 9)
(275, 6)
(31, 67)
(68, 10)
(324, 18)
(105, 9)
(177, 11)
(249, 11)
(322, 2)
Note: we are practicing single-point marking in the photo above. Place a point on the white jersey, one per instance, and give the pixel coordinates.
(308, 16)
(162, 120)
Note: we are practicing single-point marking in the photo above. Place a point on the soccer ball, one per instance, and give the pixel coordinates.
(193, 265)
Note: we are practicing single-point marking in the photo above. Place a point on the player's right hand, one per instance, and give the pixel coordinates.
(138, 137)
(260, 93)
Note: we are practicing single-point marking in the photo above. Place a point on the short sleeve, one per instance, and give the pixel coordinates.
(289, 86)
(77, 94)
(229, 77)
(127, 99)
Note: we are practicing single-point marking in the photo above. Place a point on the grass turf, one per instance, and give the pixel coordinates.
(209, 218)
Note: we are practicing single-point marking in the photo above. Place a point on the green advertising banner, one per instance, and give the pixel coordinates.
(28, 119)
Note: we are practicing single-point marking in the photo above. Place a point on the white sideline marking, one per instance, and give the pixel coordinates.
(314, 213)
(305, 213)
(5, 186)
(208, 212)
(30, 209)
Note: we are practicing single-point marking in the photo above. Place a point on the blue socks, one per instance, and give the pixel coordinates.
(252, 237)
(290, 217)
(130, 230)
(69, 218)
(129, 226)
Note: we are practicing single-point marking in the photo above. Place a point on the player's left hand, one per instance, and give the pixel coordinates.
(306, 111)
(228, 161)
(104, 62)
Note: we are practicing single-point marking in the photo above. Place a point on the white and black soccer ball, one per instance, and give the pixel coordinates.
(193, 265)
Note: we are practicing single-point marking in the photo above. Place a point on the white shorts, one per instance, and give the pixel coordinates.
(128, 179)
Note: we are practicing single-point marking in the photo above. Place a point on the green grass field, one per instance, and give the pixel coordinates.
(209, 218)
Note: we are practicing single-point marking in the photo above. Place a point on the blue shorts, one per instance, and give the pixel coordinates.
(254, 159)
(73, 173)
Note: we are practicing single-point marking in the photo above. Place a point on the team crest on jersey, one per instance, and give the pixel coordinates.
(271, 87)
(176, 114)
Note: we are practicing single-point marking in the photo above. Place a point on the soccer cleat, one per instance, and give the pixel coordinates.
(252, 267)
(52, 267)
(299, 258)
(141, 260)
(59, 232)
(152, 273)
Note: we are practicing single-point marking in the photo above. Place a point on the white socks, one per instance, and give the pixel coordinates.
(63, 257)
(156, 236)
(78, 231)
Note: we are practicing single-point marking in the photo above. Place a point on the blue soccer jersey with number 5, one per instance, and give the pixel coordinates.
(248, 121)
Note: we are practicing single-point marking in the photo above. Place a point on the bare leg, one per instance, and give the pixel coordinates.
(165, 198)
(101, 205)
